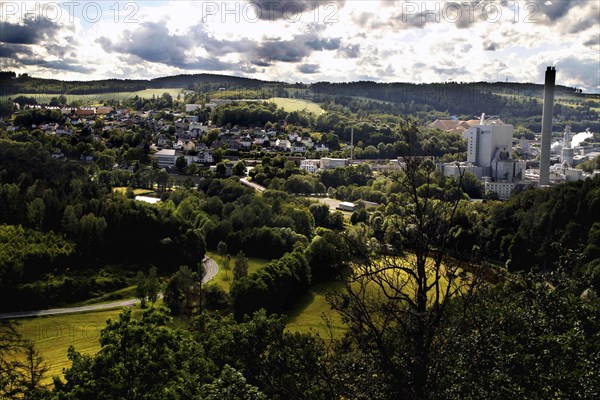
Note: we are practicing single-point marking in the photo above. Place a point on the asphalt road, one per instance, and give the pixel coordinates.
(253, 185)
(211, 269)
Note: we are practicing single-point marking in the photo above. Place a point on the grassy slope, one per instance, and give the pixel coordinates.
(54, 334)
(99, 98)
(291, 105)
(222, 279)
(312, 312)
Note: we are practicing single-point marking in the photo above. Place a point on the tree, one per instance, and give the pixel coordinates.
(222, 249)
(240, 268)
(239, 168)
(183, 292)
(181, 164)
(140, 358)
(152, 285)
(22, 369)
(231, 385)
(226, 264)
(141, 291)
(397, 296)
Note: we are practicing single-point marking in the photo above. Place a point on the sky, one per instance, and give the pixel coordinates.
(306, 41)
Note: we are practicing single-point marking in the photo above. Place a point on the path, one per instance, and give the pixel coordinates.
(211, 269)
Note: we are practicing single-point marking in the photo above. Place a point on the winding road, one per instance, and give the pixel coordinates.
(210, 271)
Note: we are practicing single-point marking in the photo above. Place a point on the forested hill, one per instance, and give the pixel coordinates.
(11, 83)
(398, 91)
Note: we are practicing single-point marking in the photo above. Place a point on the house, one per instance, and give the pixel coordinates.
(165, 157)
(307, 141)
(85, 111)
(260, 140)
(192, 107)
(103, 110)
(283, 144)
(246, 142)
(185, 145)
(163, 141)
(298, 148)
(321, 148)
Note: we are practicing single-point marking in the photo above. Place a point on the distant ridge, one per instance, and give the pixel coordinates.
(11, 83)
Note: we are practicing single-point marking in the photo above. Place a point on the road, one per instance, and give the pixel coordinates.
(253, 185)
(211, 269)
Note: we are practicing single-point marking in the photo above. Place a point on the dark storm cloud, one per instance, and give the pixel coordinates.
(32, 31)
(272, 10)
(308, 68)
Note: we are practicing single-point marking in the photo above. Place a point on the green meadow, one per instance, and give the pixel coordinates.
(95, 99)
(291, 105)
(55, 333)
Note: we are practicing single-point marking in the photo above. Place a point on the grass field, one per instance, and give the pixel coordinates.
(312, 312)
(291, 105)
(137, 192)
(54, 334)
(223, 279)
(94, 99)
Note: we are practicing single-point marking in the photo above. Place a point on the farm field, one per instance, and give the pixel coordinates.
(291, 105)
(94, 99)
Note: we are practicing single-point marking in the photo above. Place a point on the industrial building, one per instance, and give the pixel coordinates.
(489, 157)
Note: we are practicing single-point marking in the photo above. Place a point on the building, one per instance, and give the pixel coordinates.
(346, 206)
(310, 165)
(165, 157)
(489, 157)
(331, 163)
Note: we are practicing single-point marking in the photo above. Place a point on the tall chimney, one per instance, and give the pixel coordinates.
(547, 125)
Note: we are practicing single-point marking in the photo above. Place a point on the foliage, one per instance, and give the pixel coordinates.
(139, 359)
(274, 287)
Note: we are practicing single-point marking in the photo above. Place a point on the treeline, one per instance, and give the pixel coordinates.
(275, 287)
(45, 195)
(247, 114)
(547, 229)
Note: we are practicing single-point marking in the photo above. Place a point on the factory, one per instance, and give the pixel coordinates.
(489, 153)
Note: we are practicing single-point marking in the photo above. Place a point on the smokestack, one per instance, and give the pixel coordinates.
(547, 125)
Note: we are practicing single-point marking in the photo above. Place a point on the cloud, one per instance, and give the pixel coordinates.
(14, 51)
(32, 31)
(350, 51)
(308, 68)
(290, 10)
(150, 42)
(490, 46)
(291, 51)
(323, 44)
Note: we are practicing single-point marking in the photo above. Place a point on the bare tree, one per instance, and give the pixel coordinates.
(397, 297)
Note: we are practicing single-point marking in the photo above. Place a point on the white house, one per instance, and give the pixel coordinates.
(310, 165)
